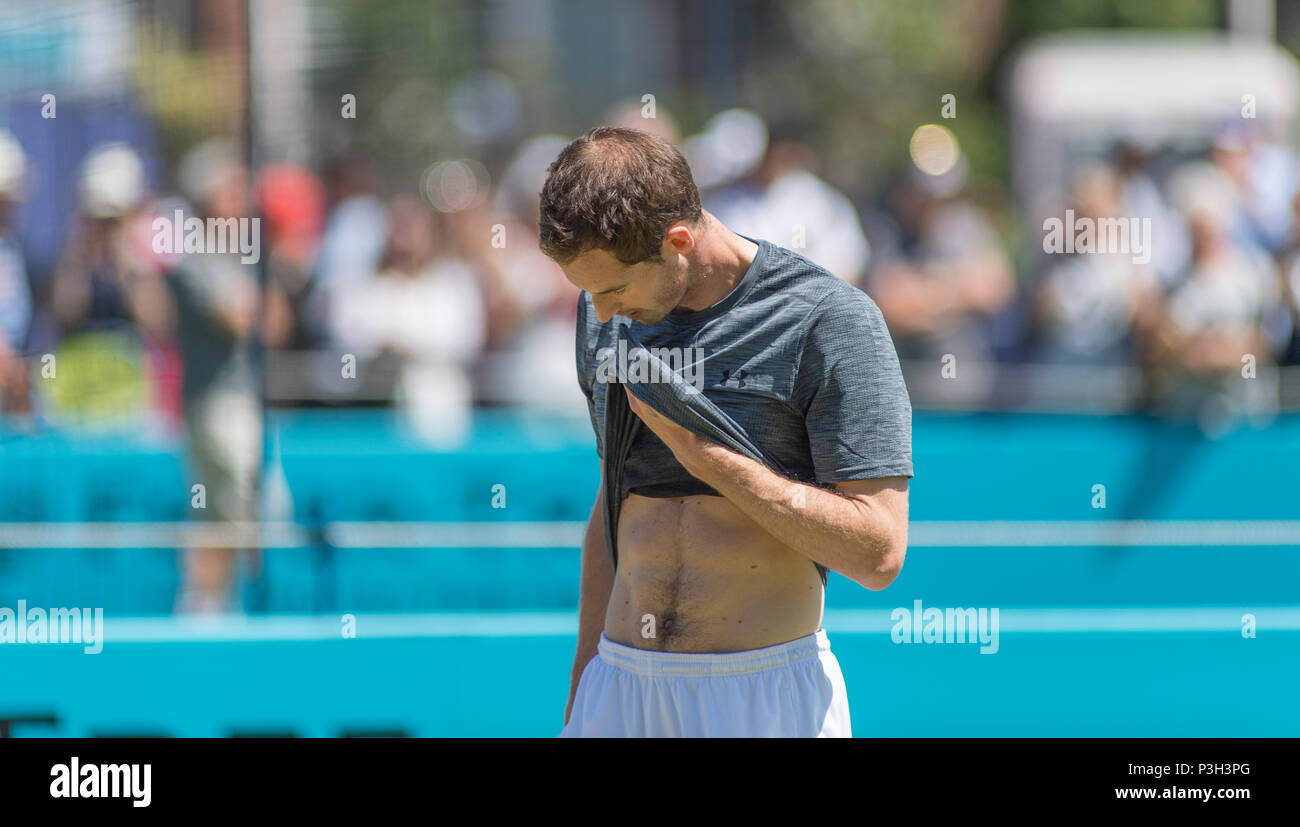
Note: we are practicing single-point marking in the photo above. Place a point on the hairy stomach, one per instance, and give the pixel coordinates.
(695, 574)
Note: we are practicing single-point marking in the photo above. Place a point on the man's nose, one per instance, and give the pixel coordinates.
(604, 311)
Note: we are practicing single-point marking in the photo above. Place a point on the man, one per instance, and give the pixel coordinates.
(15, 292)
(709, 621)
(783, 196)
(216, 297)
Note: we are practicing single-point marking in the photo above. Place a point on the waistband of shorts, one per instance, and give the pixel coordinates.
(711, 665)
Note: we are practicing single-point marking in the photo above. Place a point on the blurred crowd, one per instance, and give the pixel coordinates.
(1202, 293)
(1214, 311)
(437, 297)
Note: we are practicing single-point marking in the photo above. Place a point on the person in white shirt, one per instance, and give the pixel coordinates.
(784, 200)
(425, 308)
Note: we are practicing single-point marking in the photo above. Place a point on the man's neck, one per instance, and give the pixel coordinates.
(724, 258)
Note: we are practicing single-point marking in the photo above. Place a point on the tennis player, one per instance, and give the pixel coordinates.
(707, 619)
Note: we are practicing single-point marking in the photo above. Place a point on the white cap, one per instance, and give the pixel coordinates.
(732, 145)
(112, 180)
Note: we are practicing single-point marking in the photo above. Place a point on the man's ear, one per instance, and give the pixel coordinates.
(680, 239)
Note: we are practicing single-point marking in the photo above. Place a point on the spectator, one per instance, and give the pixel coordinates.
(1087, 303)
(1264, 177)
(533, 307)
(216, 299)
(109, 299)
(1225, 314)
(1140, 197)
(783, 200)
(292, 203)
(942, 282)
(425, 309)
(15, 292)
(1291, 283)
(356, 231)
(100, 281)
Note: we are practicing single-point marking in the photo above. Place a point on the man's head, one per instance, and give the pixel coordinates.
(620, 214)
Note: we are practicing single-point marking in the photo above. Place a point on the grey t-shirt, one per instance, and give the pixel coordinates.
(215, 359)
(798, 358)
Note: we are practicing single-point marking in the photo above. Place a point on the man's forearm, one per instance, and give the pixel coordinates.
(844, 534)
(596, 585)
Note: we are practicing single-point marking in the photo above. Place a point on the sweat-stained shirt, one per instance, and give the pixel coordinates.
(794, 368)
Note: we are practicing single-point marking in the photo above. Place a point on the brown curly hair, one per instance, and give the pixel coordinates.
(617, 190)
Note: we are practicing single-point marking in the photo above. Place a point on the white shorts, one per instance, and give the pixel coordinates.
(791, 690)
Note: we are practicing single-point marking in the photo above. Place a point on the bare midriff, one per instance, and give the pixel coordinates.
(695, 574)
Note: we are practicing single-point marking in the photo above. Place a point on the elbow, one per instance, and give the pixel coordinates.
(887, 566)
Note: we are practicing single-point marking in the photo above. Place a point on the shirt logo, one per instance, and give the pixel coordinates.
(739, 378)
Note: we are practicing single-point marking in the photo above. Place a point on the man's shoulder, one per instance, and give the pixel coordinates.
(793, 278)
